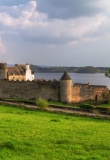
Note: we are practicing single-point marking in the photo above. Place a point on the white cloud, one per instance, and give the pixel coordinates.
(67, 31)
(105, 5)
(25, 30)
(31, 25)
(21, 16)
(2, 47)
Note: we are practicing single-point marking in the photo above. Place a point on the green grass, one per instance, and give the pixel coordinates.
(38, 135)
(104, 105)
(56, 103)
(20, 100)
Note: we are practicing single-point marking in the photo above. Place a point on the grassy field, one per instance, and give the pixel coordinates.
(35, 135)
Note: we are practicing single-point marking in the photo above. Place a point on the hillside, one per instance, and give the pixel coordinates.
(86, 69)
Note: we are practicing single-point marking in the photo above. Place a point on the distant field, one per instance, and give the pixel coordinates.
(35, 135)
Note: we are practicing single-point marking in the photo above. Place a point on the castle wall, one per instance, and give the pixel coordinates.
(51, 90)
(89, 92)
(3, 73)
(48, 90)
(3, 70)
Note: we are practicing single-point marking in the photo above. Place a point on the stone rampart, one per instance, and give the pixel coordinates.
(51, 90)
(30, 89)
(84, 92)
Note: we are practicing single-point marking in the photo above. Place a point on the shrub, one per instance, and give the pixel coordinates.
(86, 106)
(103, 110)
(42, 103)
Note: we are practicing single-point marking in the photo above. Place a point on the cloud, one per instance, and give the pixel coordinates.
(2, 47)
(55, 30)
(12, 2)
(84, 21)
(65, 9)
(21, 16)
(60, 32)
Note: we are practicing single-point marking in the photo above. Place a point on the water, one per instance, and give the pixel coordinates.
(93, 79)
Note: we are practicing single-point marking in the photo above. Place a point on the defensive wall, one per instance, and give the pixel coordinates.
(83, 92)
(30, 89)
(62, 90)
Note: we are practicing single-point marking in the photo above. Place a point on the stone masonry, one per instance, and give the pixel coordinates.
(62, 90)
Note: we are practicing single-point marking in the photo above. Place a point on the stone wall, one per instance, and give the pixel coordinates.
(3, 70)
(30, 89)
(50, 90)
(83, 92)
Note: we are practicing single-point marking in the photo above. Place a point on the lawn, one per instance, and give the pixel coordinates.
(104, 105)
(37, 135)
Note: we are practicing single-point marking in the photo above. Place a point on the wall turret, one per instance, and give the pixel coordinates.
(65, 88)
(3, 71)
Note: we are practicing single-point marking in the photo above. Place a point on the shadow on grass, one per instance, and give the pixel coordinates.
(62, 142)
(55, 120)
(9, 145)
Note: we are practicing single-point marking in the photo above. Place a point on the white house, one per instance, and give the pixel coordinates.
(29, 74)
(18, 72)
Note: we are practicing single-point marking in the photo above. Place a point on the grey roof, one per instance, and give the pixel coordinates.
(65, 76)
(17, 70)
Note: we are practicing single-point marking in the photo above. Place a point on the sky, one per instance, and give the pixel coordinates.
(55, 32)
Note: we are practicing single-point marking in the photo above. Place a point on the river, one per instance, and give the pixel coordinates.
(93, 79)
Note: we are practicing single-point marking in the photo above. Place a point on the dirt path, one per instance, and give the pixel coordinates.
(58, 110)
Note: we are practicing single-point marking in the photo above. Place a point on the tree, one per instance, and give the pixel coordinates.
(107, 74)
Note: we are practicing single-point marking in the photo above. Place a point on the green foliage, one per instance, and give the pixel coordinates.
(86, 69)
(103, 109)
(107, 74)
(86, 106)
(42, 103)
(56, 103)
(35, 135)
(19, 100)
(105, 105)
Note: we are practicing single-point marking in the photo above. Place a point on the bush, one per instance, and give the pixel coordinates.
(42, 103)
(103, 110)
(86, 106)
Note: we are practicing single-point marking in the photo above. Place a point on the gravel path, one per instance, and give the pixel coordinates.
(54, 109)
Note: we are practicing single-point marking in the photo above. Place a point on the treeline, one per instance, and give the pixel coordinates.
(86, 69)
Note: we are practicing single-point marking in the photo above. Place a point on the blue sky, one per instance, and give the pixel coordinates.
(55, 33)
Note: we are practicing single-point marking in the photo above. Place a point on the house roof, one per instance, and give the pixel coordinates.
(65, 76)
(18, 69)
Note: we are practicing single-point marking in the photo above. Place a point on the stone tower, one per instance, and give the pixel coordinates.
(65, 88)
(3, 71)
